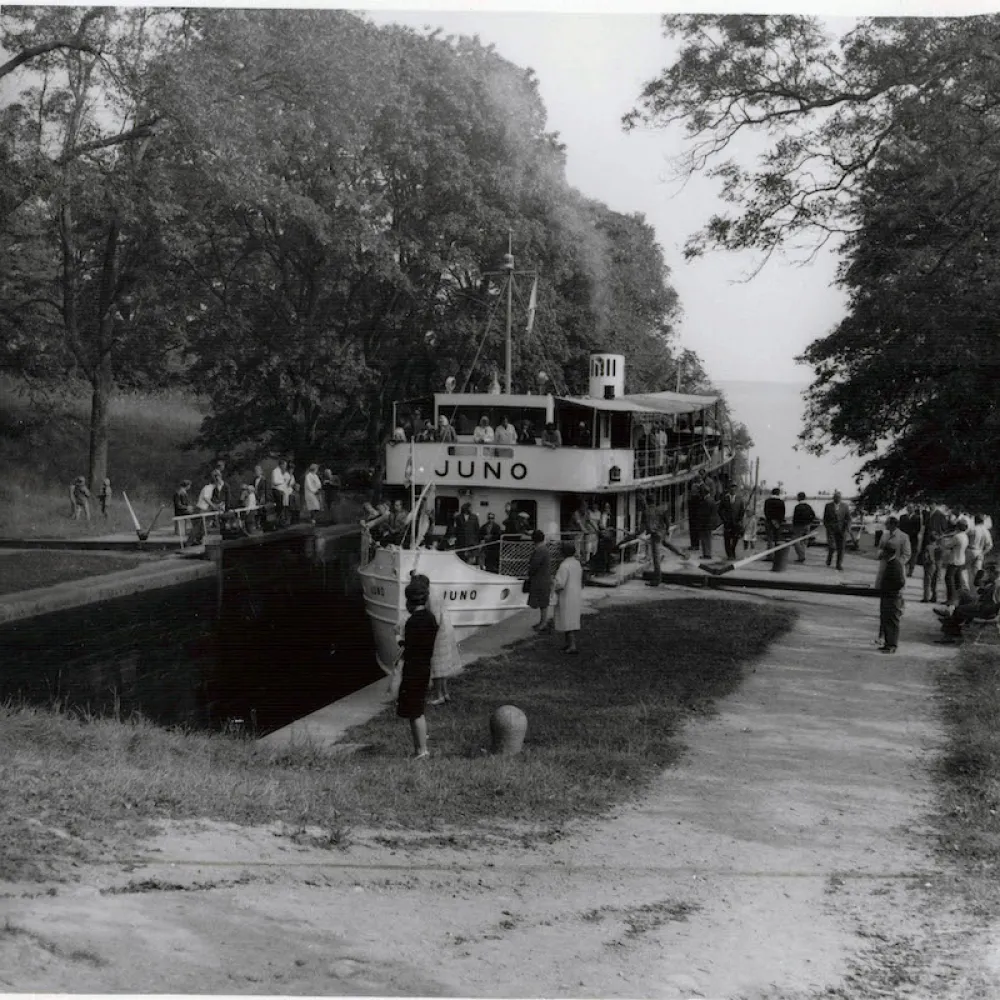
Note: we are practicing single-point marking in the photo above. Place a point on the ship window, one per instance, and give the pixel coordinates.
(445, 510)
(529, 507)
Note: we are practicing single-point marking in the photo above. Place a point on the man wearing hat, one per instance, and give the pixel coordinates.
(489, 535)
(891, 581)
(896, 543)
(466, 532)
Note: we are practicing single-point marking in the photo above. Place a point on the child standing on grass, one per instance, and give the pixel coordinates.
(418, 649)
(105, 497)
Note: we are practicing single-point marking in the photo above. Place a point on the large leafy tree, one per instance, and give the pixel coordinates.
(279, 251)
(910, 375)
(79, 225)
(884, 140)
(304, 215)
(354, 192)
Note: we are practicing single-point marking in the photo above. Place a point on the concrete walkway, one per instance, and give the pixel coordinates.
(160, 540)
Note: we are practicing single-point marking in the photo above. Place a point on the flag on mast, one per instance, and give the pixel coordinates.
(532, 304)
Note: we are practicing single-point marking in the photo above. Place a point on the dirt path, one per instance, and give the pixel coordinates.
(785, 856)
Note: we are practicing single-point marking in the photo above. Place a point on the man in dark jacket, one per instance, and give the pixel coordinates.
(774, 517)
(708, 521)
(694, 500)
(910, 524)
(803, 517)
(837, 522)
(489, 535)
(732, 510)
(931, 556)
(656, 521)
(466, 532)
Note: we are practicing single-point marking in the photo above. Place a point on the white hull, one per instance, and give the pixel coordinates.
(474, 598)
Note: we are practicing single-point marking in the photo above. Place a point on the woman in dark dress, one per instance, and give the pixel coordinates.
(418, 650)
(539, 580)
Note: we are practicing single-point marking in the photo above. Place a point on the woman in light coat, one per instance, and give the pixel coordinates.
(568, 587)
(313, 486)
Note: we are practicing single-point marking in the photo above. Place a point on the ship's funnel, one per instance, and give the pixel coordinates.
(607, 376)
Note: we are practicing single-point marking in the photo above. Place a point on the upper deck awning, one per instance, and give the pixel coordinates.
(646, 402)
(494, 400)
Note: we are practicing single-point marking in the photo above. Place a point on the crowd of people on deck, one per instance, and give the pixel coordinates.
(415, 428)
(475, 542)
(592, 532)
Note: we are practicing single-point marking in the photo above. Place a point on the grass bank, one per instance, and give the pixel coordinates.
(44, 446)
(601, 726)
(969, 772)
(26, 570)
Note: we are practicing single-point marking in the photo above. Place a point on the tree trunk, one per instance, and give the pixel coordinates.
(102, 385)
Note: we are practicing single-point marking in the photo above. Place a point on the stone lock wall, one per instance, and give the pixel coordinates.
(274, 627)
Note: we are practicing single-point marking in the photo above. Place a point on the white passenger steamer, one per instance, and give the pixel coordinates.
(616, 449)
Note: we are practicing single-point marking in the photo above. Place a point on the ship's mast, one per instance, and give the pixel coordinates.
(508, 264)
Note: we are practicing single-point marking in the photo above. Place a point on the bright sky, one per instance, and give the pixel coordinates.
(591, 68)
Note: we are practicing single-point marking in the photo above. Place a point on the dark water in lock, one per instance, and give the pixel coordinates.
(289, 636)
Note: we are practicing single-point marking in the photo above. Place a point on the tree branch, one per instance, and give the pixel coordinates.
(39, 50)
(145, 130)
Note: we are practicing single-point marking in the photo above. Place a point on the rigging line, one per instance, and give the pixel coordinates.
(478, 300)
(482, 342)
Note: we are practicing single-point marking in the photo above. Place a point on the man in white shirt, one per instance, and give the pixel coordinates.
(955, 547)
(483, 434)
(206, 499)
(980, 545)
(279, 485)
(505, 433)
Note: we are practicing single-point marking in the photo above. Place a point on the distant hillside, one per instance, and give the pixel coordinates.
(773, 412)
